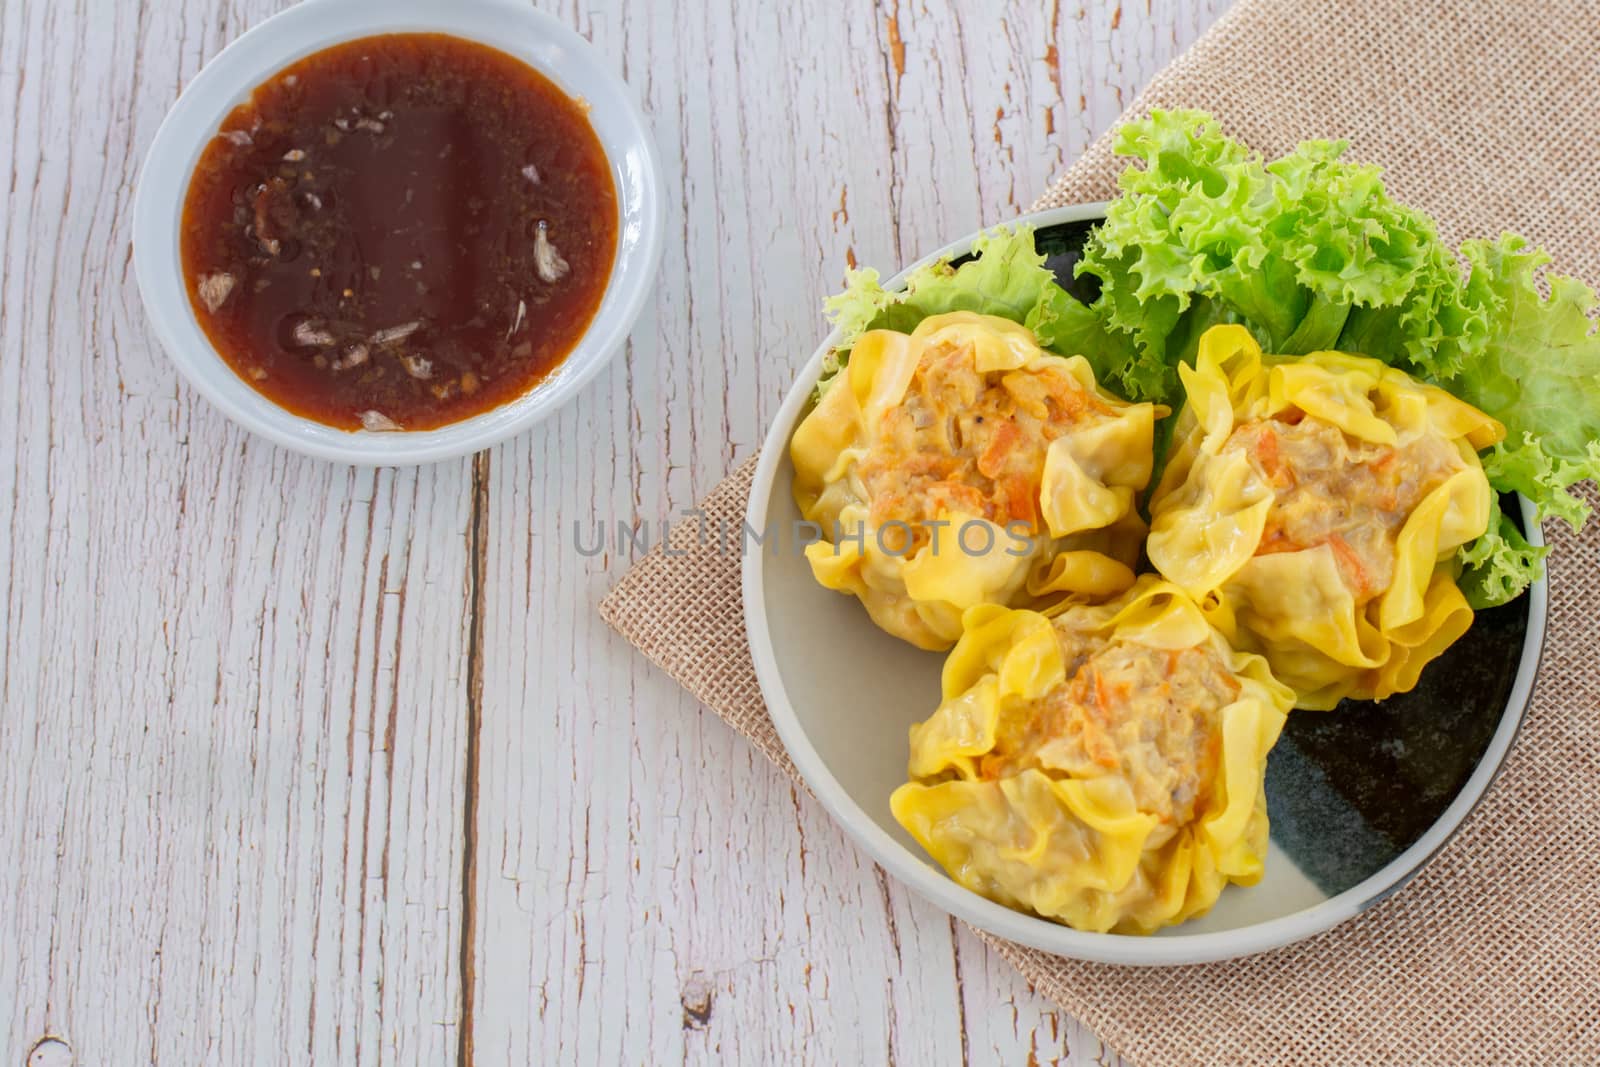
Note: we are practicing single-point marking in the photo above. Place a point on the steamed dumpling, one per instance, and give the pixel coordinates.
(1103, 768)
(1314, 506)
(962, 464)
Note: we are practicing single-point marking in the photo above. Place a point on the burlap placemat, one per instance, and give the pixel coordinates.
(1488, 117)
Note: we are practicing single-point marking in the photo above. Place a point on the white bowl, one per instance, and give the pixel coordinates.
(509, 25)
(842, 695)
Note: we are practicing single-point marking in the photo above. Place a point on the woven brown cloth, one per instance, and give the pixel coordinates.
(1488, 117)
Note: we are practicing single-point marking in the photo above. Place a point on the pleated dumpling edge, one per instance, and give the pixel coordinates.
(962, 464)
(1103, 768)
(1314, 507)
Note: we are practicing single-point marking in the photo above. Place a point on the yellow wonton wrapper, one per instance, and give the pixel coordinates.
(1084, 541)
(1324, 633)
(1076, 844)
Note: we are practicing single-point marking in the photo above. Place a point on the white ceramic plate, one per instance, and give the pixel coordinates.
(513, 27)
(843, 694)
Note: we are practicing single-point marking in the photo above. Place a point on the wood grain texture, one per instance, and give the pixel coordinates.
(649, 888)
(287, 751)
(234, 680)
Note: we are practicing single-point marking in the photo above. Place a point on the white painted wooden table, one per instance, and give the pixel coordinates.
(305, 764)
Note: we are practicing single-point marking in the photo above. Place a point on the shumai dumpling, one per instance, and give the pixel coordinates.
(1313, 507)
(1103, 768)
(962, 464)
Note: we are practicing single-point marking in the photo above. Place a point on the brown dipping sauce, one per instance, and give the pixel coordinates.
(399, 232)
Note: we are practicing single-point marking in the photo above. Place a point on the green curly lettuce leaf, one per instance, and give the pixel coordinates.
(1500, 564)
(1065, 325)
(1539, 374)
(1308, 251)
(1544, 479)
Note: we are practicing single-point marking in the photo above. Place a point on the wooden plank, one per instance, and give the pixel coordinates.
(234, 681)
(647, 888)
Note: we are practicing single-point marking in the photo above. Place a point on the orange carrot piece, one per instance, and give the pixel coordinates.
(1350, 562)
(1271, 463)
(993, 461)
(1273, 539)
(1022, 498)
